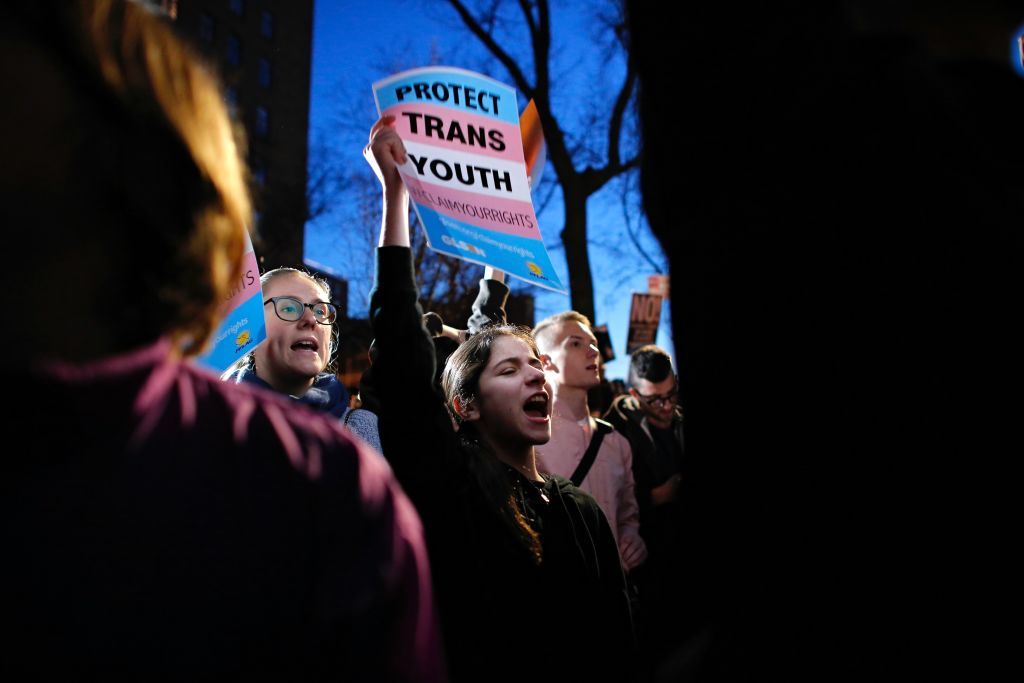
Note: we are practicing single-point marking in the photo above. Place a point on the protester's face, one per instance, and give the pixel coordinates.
(573, 358)
(657, 400)
(294, 352)
(512, 402)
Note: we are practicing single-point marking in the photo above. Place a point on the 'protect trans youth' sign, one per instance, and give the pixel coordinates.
(466, 172)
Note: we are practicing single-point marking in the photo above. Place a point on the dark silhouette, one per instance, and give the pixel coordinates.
(838, 188)
(158, 524)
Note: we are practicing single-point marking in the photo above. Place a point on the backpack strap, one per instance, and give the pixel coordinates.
(591, 455)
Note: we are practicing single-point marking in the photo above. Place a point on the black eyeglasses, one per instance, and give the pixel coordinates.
(660, 401)
(290, 309)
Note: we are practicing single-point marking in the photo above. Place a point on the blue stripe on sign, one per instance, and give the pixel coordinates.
(449, 88)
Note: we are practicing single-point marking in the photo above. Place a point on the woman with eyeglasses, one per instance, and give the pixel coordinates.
(301, 341)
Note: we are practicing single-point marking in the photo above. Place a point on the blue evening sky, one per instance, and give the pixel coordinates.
(357, 42)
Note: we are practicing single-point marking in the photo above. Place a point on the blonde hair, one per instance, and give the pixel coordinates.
(542, 331)
(162, 160)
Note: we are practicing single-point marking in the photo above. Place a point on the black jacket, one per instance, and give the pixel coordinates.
(650, 468)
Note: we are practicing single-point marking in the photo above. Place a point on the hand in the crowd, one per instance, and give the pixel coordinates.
(456, 335)
(436, 327)
(633, 550)
(385, 152)
(666, 492)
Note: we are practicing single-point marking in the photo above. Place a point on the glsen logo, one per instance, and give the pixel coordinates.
(464, 246)
(536, 271)
(242, 340)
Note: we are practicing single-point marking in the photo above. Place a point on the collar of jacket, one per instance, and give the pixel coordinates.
(327, 394)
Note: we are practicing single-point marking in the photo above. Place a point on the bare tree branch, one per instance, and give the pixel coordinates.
(524, 5)
(541, 204)
(542, 48)
(618, 112)
(486, 37)
(632, 226)
(595, 179)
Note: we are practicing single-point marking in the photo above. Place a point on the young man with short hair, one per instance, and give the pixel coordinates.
(572, 365)
(650, 419)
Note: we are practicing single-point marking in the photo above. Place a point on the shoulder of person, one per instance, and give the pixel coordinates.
(623, 408)
(567, 489)
(269, 423)
(359, 416)
(616, 440)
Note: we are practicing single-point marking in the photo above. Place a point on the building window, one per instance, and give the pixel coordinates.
(234, 54)
(266, 24)
(207, 29)
(262, 122)
(264, 74)
(237, 7)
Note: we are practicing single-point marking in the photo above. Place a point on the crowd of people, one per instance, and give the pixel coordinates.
(477, 518)
(176, 524)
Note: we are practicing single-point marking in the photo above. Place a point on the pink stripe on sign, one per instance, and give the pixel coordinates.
(247, 284)
(507, 216)
(457, 130)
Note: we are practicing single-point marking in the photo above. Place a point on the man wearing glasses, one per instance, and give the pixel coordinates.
(651, 420)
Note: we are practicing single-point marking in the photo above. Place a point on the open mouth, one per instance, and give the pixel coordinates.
(536, 407)
(306, 345)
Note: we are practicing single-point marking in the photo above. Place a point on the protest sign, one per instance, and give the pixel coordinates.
(658, 284)
(644, 316)
(243, 327)
(466, 171)
(535, 149)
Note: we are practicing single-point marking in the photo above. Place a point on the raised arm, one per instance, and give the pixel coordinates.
(385, 152)
(416, 432)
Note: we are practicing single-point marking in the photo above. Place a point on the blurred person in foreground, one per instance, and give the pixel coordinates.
(158, 523)
(839, 195)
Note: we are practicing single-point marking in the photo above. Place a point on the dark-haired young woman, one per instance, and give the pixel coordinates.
(527, 575)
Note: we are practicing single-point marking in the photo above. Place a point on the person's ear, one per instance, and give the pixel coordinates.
(466, 410)
(547, 363)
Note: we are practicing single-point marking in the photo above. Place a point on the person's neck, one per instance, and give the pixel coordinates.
(292, 386)
(569, 403)
(522, 459)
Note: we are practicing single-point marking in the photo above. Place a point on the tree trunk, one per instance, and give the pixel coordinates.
(574, 238)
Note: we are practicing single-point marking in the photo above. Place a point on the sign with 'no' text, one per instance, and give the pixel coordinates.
(466, 171)
(644, 317)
